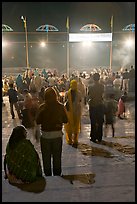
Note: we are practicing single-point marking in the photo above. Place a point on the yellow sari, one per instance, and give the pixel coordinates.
(72, 128)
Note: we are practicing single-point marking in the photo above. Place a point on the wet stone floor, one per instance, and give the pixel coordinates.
(76, 162)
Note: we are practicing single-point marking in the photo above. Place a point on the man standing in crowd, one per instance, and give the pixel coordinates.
(96, 108)
(13, 100)
(132, 79)
(125, 78)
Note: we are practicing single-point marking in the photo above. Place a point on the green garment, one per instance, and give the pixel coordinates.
(23, 161)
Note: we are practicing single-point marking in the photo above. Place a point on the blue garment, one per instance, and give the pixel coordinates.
(19, 81)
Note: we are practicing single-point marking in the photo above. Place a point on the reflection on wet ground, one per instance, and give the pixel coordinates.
(126, 137)
(97, 151)
(93, 151)
(86, 178)
(87, 149)
(122, 148)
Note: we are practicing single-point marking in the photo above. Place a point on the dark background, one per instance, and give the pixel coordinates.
(55, 13)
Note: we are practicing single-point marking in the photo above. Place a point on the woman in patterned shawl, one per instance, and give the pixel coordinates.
(21, 162)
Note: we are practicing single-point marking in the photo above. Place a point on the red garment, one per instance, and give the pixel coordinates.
(121, 107)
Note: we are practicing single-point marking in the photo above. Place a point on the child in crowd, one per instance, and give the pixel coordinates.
(110, 113)
(121, 106)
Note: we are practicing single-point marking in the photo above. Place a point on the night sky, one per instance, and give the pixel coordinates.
(80, 14)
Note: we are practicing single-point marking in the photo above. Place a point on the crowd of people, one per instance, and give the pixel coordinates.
(47, 103)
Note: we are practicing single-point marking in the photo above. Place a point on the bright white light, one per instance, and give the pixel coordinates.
(22, 17)
(4, 43)
(43, 44)
(86, 43)
(129, 42)
(90, 37)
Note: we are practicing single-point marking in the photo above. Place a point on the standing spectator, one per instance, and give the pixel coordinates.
(51, 116)
(125, 77)
(30, 108)
(132, 79)
(19, 82)
(41, 95)
(13, 100)
(38, 82)
(11, 80)
(51, 80)
(82, 89)
(44, 82)
(36, 72)
(5, 88)
(32, 87)
(96, 108)
(27, 79)
(73, 107)
(110, 113)
(121, 106)
(117, 81)
(44, 73)
(24, 84)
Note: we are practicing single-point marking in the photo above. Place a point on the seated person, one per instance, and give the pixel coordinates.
(21, 162)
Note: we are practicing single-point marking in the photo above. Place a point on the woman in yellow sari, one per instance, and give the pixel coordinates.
(73, 108)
